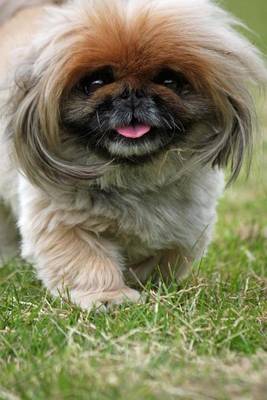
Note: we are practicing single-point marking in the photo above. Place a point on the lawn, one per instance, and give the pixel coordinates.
(205, 339)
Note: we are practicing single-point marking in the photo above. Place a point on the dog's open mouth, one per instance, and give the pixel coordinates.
(134, 131)
(136, 143)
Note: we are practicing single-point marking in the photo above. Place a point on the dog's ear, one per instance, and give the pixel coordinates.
(35, 129)
(235, 139)
(237, 76)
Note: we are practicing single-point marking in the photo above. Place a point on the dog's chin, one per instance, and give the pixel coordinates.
(135, 150)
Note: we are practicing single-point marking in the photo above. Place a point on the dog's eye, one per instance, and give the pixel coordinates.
(172, 79)
(90, 83)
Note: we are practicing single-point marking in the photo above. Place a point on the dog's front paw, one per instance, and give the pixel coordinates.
(103, 300)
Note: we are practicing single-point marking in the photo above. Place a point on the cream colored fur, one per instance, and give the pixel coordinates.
(89, 243)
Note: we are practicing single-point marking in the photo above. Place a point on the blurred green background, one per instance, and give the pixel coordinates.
(254, 14)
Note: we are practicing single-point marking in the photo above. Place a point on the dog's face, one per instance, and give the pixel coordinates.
(134, 92)
(122, 81)
(132, 116)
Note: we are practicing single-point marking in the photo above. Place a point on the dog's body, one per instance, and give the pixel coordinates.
(92, 237)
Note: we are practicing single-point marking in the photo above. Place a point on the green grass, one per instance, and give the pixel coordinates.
(203, 340)
(206, 339)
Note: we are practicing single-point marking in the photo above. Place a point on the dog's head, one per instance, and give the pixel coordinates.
(121, 81)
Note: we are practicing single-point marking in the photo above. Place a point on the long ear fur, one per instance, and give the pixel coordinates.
(35, 128)
(237, 138)
(234, 69)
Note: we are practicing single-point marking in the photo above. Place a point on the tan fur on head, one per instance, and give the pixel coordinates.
(94, 208)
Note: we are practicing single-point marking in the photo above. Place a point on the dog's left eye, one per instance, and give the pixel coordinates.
(89, 84)
(171, 79)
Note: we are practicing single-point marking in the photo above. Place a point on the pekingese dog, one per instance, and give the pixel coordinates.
(117, 119)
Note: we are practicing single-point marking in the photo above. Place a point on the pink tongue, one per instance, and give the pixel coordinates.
(134, 132)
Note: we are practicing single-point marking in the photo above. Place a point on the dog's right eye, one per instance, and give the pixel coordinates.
(97, 79)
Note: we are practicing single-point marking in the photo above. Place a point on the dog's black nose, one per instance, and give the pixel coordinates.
(132, 98)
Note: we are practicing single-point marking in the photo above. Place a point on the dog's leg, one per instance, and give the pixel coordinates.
(8, 236)
(70, 260)
(174, 265)
(169, 265)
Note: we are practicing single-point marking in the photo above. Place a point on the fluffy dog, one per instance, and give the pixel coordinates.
(118, 118)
